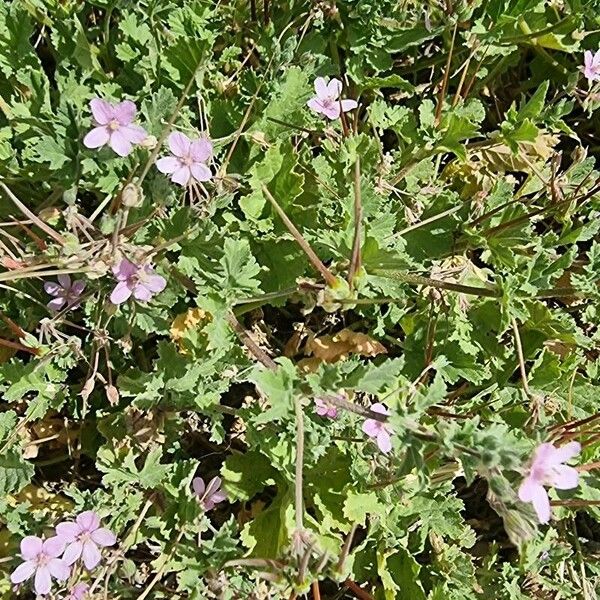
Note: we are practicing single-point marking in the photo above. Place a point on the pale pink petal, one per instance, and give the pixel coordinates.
(57, 303)
(566, 452)
(320, 407)
(23, 571)
(564, 477)
(78, 287)
(31, 546)
(380, 408)
(332, 412)
(104, 537)
(321, 87)
(59, 569)
(219, 496)
(43, 581)
(528, 489)
(334, 88)
(88, 520)
(201, 150)
(200, 172)
(91, 555)
(120, 143)
(213, 485)
(54, 546)
(168, 164)
(332, 111)
(134, 133)
(125, 112)
(543, 455)
(179, 143)
(121, 293)
(349, 105)
(316, 105)
(68, 531)
(198, 486)
(96, 137)
(384, 441)
(72, 552)
(371, 427)
(142, 293)
(102, 111)
(155, 283)
(65, 281)
(541, 504)
(52, 288)
(181, 176)
(125, 270)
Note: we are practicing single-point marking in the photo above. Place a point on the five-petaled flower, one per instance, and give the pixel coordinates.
(187, 160)
(327, 101)
(83, 537)
(591, 66)
(208, 495)
(64, 292)
(325, 409)
(547, 469)
(139, 280)
(379, 430)
(114, 126)
(41, 558)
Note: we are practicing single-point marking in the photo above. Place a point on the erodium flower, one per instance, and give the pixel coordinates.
(139, 280)
(324, 409)
(114, 126)
(64, 292)
(591, 66)
(41, 559)
(187, 160)
(83, 539)
(379, 431)
(208, 495)
(327, 101)
(547, 469)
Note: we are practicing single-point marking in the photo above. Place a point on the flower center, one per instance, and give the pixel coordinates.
(113, 125)
(187, 161)
(42, 559)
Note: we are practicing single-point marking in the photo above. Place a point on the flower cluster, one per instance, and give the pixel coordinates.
(114, 126)
(52, 558)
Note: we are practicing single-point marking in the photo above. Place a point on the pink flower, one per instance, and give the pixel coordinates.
(82, 537)
(324, 409)
(139, 280)
(41, 558)
(188, 159)
(114, 126)
(64, 292)
(378, 430)
(208, 495)
(591, 66)
(327, 102)
(547, 470)
(77, 592)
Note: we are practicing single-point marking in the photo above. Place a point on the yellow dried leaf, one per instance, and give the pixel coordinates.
(332, 348)
(192, 319)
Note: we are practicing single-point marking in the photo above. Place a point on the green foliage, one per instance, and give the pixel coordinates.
(469, 306)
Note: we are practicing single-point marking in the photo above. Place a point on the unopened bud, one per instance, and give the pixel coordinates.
(131, 196)
(149, 143)
(112, 393)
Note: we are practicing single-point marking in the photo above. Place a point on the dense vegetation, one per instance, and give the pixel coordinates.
(299, 299)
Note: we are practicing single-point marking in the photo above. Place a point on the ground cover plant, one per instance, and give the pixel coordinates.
(299, 299)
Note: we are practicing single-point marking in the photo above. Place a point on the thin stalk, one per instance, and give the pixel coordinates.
(310, 253)
(32, 216)
(521, 358)
(299, 507)
(355, 261)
